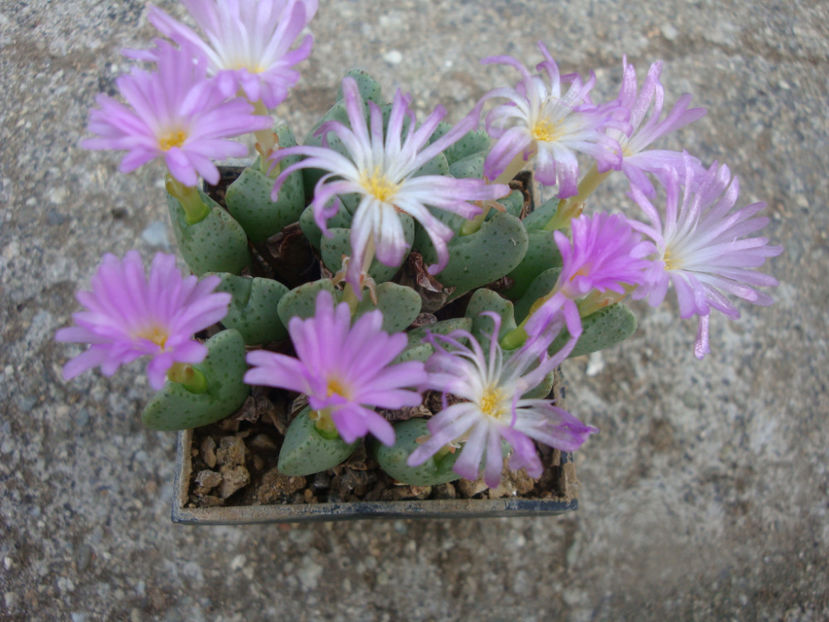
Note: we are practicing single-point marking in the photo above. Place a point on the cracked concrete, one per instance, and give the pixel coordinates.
(703, 497)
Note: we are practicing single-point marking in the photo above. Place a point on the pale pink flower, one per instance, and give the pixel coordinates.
(605, 254)
(540, 118)
(380, 168)
(345, 369)
(491, 385)
(129, 315)
(702, 248)
(636, 158)
(174, 113)
(248, 43)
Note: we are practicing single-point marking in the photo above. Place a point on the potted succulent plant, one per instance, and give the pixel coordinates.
(375, 317)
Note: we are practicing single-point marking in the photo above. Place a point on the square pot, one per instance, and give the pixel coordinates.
(184, 512)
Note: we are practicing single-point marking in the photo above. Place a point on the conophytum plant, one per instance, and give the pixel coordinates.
(386, 258)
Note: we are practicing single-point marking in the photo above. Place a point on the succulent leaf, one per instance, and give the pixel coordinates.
(215, 244)
(253, 308)
(176, 408)
(305, 450)
(393, 459)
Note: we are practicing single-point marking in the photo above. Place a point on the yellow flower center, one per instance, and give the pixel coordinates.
(490, 403)
(338, 387)
(545, 130)
(173, 138)
(672, 262)
(154, 333)
(379, 186)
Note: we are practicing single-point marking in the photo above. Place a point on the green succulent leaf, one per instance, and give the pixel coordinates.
(305, 450)
(542, 254)
(602, 329)
(301, 301)
(342, 220)
(216, 243)
(253, 309)
(541, 286)
(399, 305)
(393, 459)
(482, 325)
(248, 198)
(481, 257)
(176, 408)
(475, 142)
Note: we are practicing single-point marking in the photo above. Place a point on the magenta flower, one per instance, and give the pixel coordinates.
(636, 158)
(175, 114)
(248, 43)
(494, 409)
(539, 120)
(701, 247)
(381, 169)
(343, 369)
(128, 316)
(605, 255)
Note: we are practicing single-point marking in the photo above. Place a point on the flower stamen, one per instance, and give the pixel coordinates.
(154, 333)
(545, 130)
(172, 138)
(379, 186)
(491, 403)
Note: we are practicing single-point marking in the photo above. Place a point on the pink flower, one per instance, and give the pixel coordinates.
(174, 113)
(381, 169)
(702, 248)
(604, 255)
(128, 316)
(637, 159)
(540, 120)
(492, 385)
(248, 43)
(343, 369)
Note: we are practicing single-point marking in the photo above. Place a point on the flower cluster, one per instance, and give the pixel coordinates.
(432, 203)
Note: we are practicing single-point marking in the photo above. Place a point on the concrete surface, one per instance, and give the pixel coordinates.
(703, 498)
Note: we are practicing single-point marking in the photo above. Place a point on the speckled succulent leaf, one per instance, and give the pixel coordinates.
(301, 301)
(392, 459)
(215, 244)
(436, 166)
(398, 304)
(542, 254)
(541, 215)
(481, 257)
(249, 197)
(305, 451)
(444, 327)
(541, 285)
(332, 250)
(475, 142)
(542, 390)
(482, 325)
(470, 166)
(417, 351)
(602, 329)
(370, 89)
(253, 308)
(342, 219)
(176, 408)
(513, 203)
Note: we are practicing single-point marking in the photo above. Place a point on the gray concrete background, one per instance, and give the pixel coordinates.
(703, 497)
